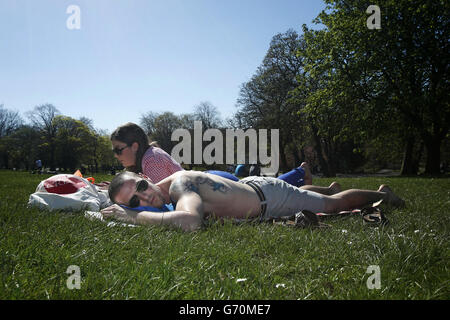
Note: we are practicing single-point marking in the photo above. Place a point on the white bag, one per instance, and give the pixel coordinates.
(68, 192)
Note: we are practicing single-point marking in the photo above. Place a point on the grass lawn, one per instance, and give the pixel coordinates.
(227, 261)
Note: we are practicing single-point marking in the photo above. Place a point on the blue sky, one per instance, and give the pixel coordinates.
(130, 57)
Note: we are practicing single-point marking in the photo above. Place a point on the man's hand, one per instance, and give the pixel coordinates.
(117, 212)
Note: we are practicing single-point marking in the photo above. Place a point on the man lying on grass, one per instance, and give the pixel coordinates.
(196, 195)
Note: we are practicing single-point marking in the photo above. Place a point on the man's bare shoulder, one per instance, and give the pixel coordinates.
(189, 175)
(193, 181)
(180, 181)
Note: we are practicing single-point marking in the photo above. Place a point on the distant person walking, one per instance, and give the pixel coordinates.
(38, 166)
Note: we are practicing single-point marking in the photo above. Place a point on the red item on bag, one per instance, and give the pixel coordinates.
(61, 184)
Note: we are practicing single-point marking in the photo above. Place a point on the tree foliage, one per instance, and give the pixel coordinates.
(342, 96)
(264, 100)
(59, 141)
(351, 91)
(394, 81)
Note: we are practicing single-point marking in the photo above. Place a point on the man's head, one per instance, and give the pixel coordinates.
(133, 190)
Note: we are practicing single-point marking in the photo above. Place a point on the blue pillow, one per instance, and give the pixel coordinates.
(223, 174)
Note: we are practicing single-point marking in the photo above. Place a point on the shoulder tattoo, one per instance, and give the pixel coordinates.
(184, 184)
(215, 186)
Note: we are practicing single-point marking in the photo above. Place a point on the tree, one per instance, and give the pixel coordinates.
(159, 128)
(208, 114)
(264, 101)
(400, 74)
(42, 118)
(23, 147)
(187, 121)
(102, 154)
(73, 142)
(147, 122)
(10, 121)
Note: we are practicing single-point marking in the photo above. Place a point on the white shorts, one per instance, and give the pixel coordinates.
(279, 198)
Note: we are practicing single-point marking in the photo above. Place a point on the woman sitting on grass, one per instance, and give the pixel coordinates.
(132, 148)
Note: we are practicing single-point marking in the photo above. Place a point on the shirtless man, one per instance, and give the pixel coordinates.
(196, 195)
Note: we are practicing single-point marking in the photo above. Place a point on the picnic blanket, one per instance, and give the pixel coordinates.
(371, 215)
(96, 215)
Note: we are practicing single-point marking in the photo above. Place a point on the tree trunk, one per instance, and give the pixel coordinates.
(303, 155)
(330, 160)
(433, 146)
(283, 157)
(321, 155)
(6, 160)
(417, 158)
(408, 158)
(297, 159)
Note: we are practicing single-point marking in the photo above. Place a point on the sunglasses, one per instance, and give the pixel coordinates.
(141, 186)
(119, 151)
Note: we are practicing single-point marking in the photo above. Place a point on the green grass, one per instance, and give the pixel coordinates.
(278, 262)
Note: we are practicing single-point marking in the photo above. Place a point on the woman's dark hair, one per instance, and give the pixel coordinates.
(129, 133)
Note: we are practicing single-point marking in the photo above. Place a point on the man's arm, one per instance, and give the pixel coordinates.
(188, 214)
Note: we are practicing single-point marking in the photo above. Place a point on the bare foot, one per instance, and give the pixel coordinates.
(391, 197)
(334, 188)
(308, 176)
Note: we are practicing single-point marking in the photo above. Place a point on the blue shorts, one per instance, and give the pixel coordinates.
(294, 177)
